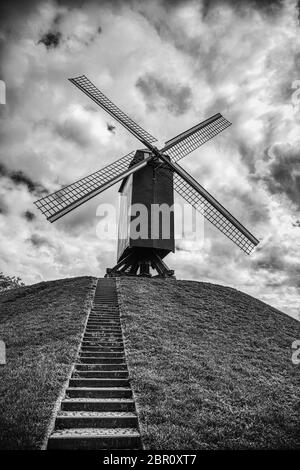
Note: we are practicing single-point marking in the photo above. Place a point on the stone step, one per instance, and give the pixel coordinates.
(103, 344)
(87, 382)
(90, 419)
(98, 392)
(102, 355)
(103, 333)
(115, 315)
(100, 313)
(97, 404)
(105, 338)
(95, 439)
(102, 374)
(105, 298)
(103, 341)
(102, 317)
(99, 334)
(108, 318)
(105, 307)
(103, 329)
(101, 360)
(104, 323)
(106, 354)
(105, 320)
(102, 349)
(105, 311)
(104, 326)
(100, 366)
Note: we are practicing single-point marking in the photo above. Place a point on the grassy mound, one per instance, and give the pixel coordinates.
(41, 326)
(211, 366)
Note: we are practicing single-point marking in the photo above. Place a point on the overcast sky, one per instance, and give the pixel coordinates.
(169, 65)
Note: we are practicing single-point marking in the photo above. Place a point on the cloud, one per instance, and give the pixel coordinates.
(39, 240)
(281, 172)
(73, 130)
(3, 207)
(276, 261)
(29, 216)
(19, 178)
(177, 98)
(51, 39)
(270, 7)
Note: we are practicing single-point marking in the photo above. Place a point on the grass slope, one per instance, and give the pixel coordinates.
(41, 326)
(211, 366)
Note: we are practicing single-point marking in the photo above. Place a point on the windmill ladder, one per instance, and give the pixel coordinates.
(98, 409)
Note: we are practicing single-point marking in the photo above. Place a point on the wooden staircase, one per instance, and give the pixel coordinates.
(98, 410)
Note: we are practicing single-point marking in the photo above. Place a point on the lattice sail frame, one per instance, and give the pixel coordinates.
(213, 215)
(58, 202)
(85, 85)
(193, 138)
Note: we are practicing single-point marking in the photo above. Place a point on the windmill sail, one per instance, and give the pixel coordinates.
(85, 85)
(189, 140)
(202, 200)
(211, 213)
(59, 203)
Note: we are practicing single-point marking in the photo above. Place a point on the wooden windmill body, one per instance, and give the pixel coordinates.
(151, 187)
(148, 178)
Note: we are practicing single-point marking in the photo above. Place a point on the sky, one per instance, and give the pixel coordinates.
(169, 65)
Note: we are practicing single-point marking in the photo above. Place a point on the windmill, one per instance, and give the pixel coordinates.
(149, 176)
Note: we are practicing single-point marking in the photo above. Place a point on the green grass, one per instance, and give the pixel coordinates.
(41, 326)
(211, 367)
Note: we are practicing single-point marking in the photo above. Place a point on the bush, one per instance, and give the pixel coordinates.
(8, 282)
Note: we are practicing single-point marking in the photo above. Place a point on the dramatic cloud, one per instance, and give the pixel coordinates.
(18, 177)
(3, 207)
(269, 7)
(39, 241)
(51, 39)
(29, 216)
(177, 98)
(169, 64)
(283, 171)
